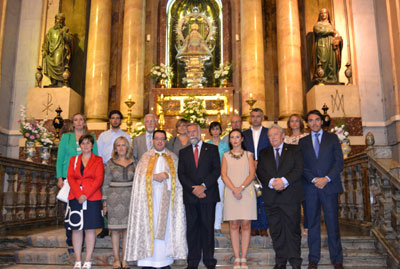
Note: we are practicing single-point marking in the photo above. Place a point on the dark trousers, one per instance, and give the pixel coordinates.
(285, 232)
(261, 223)
(329, 202)
(200, 233)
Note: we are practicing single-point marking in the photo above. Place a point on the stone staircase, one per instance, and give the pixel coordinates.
(48, 250)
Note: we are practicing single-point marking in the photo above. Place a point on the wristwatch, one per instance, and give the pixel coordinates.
(243, 187)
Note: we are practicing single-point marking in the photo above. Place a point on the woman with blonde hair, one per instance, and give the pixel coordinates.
(117, 188)
(69, 147)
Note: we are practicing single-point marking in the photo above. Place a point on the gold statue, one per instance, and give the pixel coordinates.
(194, 44)
(56, 51)
(196, 47)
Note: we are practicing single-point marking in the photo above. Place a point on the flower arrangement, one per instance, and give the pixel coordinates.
(341, 132)
(161, 71)
(34, 130)
(29, 129)
(194, 111)
(224, 71)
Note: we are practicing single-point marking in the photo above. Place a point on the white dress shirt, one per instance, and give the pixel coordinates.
(106, 140)
(256, 138)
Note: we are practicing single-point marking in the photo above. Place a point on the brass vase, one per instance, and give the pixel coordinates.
(223, 83)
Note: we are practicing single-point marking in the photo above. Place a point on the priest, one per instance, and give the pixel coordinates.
(156, 234)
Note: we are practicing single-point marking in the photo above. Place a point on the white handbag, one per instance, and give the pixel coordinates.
(64, 191)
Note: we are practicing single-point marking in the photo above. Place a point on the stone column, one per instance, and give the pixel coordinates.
(132, 73)
(252, 53)
(98, 61)
(289, 58)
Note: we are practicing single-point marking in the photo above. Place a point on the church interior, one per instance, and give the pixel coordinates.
(203, 60)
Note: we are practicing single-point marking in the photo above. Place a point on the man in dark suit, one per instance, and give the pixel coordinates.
(323, 163)
(256, 139)
(280, 167)
(198, 170)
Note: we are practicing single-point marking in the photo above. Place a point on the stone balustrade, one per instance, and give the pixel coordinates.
(371, 198)
(28, 195)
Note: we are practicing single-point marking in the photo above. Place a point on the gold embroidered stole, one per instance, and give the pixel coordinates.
(164, 208)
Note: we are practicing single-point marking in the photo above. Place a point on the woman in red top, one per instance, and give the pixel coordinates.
(84, 211)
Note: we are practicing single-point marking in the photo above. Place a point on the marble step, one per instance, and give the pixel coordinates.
(31, 266)
(56, 238)
(260, 257)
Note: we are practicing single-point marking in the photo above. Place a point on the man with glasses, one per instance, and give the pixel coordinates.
(144, 142)
(236, 123)
(156, 233)
(323, 163)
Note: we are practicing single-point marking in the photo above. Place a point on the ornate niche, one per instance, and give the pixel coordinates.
(178, 9)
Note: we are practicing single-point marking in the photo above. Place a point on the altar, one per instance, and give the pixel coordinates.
(217, 101)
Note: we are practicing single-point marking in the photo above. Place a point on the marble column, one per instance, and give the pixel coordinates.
(132, 73)
(252, 53)
(289, 58)
(98, 61)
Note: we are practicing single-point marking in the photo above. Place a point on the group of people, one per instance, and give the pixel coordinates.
(167, 199)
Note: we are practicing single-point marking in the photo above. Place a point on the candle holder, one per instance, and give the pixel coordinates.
(161, 102)
(129, 103)
(251, 103)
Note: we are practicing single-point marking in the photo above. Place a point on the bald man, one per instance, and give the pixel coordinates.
(236, 123)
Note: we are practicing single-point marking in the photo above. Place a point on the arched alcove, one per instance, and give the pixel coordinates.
(177, 9)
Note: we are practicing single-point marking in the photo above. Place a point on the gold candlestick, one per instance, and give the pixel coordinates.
(129, 103)
(251, 103)
(161, 102)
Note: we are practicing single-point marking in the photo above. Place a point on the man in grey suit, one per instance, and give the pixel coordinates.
(144, 142)
(236, 123)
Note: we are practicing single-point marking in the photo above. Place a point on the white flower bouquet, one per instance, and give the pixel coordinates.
(224, 71)
(161, 71)
(341, 132)
(194, 111)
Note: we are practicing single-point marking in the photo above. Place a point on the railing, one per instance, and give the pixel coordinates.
(28, 195)
(372, 199)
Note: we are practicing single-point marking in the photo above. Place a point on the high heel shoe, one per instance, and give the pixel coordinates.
(78, 265)
(242, 266)
(87, 265)
(237, 260)
(117, 265)
(125, 265)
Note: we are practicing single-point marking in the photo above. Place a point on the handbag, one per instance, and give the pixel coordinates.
(64, 191)
(257, 186)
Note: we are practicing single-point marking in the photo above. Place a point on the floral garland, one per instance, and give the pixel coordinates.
(224, 71)
(194, 111)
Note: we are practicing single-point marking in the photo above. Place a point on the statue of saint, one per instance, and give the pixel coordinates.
(328, 48)
(56, 51)
(194, 44)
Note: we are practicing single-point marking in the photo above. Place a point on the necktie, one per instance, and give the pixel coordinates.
(316, 144)
(149, 142)
(196, 155)
(277, 158)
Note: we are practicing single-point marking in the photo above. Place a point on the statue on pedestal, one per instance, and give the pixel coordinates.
(56, 51)
(196, 47)
(328, 49)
